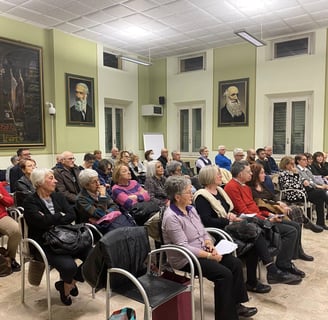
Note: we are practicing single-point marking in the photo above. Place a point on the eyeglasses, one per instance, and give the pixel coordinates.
(304, 159)
(71, 158)
(95, 181)
(187, 192)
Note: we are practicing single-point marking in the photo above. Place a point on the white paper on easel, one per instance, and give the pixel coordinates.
(225, 247)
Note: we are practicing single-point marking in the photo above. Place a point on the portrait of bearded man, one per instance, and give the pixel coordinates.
(81, 111)
(233, 109)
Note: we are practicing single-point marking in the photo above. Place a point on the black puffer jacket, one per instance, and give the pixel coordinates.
(125, 248)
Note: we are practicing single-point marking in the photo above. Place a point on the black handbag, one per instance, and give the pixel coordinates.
(244, 234)
(68, 239)
(142, 211)
(271, 234)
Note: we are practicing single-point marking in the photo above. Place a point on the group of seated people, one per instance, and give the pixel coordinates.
(110, 193)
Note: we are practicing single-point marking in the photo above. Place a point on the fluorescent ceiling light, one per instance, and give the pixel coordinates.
(248, 37)
(142, 62)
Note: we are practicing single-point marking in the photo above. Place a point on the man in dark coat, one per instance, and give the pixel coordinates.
(67, 177)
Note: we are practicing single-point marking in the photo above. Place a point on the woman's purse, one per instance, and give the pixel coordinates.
(68, 239)
(142, 211)
(244, 234)
(269, 205)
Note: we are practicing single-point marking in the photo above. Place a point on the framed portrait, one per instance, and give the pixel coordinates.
(21, 94)
(233, 103)
(80, 106)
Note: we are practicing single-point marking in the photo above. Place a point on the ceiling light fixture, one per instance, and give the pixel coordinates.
(142, 62)
(251, 39)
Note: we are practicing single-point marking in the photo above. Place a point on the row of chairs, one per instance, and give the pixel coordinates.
(152, 291)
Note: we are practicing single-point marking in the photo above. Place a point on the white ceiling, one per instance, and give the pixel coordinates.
(164, 28)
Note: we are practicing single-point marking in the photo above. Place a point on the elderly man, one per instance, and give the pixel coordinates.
(221, 159)
(81, 111)
(176, 155)
(241, 196)
(238, 154)
(163, 158)
(272, 162)
(67, 177)
(232, 110)
(114, 156)
(203, 160)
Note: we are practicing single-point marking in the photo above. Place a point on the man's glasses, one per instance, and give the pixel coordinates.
(71, 158)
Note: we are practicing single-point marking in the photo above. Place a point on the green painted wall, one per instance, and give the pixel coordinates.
(151, 85)
(235, 62)
(79, 57)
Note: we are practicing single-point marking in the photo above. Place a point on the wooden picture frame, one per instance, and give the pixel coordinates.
(233, 102)
(21, 94)
(80, 108)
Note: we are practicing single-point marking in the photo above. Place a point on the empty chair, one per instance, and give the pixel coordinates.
(118, 263)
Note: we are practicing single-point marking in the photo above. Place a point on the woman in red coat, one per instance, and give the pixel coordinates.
(9, 227)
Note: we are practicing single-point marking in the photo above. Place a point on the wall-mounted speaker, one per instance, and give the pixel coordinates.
(161, 100)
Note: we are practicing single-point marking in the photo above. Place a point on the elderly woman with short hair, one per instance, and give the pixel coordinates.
(44, 209)
(94, 205)
(155, 181)
(182, 226)
(93, 202)
(174, 168)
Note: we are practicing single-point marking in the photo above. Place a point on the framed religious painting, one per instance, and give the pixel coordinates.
(233, 103)
(21, 94)
(80, 105)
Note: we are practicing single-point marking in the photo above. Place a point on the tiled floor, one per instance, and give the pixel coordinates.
(307, 300)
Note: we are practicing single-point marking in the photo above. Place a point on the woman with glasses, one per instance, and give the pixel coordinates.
(182, 226)
(290, 178)
(95, 206)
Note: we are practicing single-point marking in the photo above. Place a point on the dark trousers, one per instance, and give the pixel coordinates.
(289, 243)
(258, 251)
(298, 247)
(318, 197)
(66, 265)
(229, 287)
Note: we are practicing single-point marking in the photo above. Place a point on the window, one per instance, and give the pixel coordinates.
(190, 129)
(113, 127)
(290, 130)
(112, 61)
(192, 63)
(292, 46)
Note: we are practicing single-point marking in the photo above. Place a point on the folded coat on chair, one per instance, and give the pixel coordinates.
(102, 256)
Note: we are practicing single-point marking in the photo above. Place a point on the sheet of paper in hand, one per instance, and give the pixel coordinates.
(225, 247)
(247, 215)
